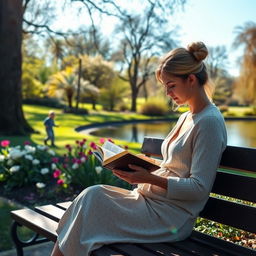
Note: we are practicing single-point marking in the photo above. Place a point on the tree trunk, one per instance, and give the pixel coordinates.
(134, 100)
(12, 121)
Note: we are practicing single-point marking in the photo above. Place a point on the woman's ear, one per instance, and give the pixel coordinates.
(192, 79)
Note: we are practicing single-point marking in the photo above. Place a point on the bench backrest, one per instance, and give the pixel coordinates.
(236, 178)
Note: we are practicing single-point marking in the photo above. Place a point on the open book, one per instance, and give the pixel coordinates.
(112, 156)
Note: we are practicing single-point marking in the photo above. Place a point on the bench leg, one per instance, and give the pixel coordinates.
(20, 244)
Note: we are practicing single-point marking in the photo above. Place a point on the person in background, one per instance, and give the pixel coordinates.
(166, 202)
(49, 124)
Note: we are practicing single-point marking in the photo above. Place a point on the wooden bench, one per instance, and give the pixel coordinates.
(239, 184)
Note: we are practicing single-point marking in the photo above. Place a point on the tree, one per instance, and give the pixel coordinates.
(217, 61)
(246, 86)
(139, 35)
(11, 114)
(113, 94)
(13, 15)
(66, 82)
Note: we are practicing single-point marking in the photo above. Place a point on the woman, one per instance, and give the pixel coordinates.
(166, 203)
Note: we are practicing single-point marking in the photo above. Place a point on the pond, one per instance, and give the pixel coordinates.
(240, 133)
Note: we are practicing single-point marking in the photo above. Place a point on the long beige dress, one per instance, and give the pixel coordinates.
(104, 214)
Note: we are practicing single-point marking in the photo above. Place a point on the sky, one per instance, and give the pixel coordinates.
(210, 21)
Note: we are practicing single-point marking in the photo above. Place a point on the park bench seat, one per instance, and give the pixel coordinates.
(235, 179)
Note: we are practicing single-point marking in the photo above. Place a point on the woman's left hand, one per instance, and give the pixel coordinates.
(140, 174)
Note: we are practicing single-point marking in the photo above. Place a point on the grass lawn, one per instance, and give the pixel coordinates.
(65, 134)
(5, 207)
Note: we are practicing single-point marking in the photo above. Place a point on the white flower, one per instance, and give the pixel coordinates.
(15, 153)
(29, 157)
(30, 149)
(83, 159)
(2, 157)
(17, 147)
(44, 171)
(51, 152)
(35, 162)
(10, 162)
(41, 147)
(54, 166)
(98, 169)
(84, 146)
(75, 166)
(40, 185)
(15, 168)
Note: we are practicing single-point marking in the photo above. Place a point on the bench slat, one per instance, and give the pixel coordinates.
(233, 157)
(64, 205)
(228, 247)
(106, 251)
(230, 213)
(237, 186)
(165, 249)
(199, 249)
(132, 250)
(239, 158)
(37, 222)
(152, 146)
(50, 211)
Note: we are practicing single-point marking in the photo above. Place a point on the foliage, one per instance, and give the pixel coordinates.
(46, 101)
(66, 82)
(246, 84)
(154, 107)
(79, 168)
(225, 232)
(113, 94)
(24, 165)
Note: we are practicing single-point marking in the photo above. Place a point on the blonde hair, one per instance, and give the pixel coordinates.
(51, 112)
(183, 62)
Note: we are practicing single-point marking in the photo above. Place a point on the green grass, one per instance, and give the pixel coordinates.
(66, 134)
(5, 207)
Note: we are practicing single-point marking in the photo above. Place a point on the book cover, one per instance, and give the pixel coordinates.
(112, 157)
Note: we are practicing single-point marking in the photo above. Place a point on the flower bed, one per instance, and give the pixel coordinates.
(42, 175)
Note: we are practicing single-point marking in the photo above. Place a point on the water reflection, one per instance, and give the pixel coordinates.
(240, 133)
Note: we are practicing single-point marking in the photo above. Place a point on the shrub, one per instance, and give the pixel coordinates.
(154, 107)
(80, 111)
(223, 108)
(48, 102)
(24, 165)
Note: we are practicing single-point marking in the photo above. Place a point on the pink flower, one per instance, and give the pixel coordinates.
(78, 161)
(81, 143)
(5, 143)
(55, 160)
(93, 145)
(102, 140)
(90, 152)
(74, 160)
(60, 182)
(57, 173)
(65, 166)
(27, 142)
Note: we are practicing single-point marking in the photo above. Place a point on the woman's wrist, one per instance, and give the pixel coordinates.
(158, 181)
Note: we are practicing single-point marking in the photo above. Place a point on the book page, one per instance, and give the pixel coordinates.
(109, 146)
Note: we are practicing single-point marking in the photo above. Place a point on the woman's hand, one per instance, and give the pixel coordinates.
(140, 175)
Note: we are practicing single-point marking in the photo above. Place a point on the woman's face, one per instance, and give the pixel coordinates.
(179, 89)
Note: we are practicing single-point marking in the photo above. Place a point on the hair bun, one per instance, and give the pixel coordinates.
(198, 49)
